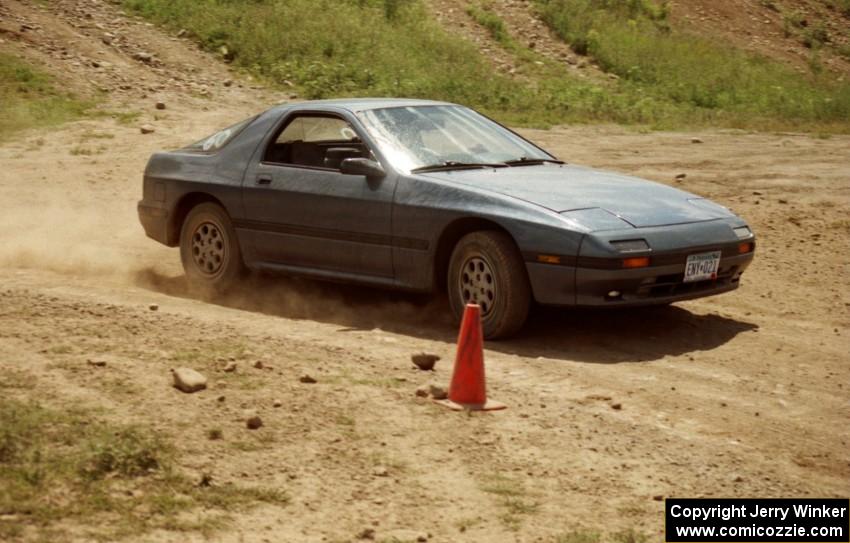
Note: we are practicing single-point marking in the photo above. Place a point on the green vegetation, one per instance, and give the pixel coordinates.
(512, 497)
(331, 48)
(627, 536)
(579, 537)
(343, 47)
(28, 98)
(385, 48)
(713, 81)
(81, 150)
(490, 20)
(530, 64)
(212, 351)
(125, 118)
(770, 4)
(59, 467)
(842, 6)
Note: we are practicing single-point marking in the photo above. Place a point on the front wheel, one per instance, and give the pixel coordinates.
(209, 249)
(487, 269)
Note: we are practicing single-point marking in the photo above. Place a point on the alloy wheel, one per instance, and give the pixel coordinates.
(477, 284)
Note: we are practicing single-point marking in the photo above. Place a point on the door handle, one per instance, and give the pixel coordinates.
(264, 180)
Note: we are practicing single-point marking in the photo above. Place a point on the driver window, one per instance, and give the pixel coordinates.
(315, 141)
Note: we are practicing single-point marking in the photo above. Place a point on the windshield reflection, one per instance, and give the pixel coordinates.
(416, 137)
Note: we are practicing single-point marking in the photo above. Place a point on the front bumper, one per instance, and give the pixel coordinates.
(661, 284)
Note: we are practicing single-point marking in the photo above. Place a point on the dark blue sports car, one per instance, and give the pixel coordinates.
(421, 195)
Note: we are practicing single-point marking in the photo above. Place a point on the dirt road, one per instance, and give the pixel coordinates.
(743, 395)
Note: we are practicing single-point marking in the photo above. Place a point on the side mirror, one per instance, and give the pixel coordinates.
(362, 166)
(335, 155)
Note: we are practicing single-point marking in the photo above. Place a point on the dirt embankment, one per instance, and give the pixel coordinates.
(777, 29)
(741, 395)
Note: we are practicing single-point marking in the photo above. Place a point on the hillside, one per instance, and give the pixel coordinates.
(541, 62)
(555, 60)
(792, 32)
(608, 412)
(798, 32)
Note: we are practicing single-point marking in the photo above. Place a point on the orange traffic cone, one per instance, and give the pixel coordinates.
(468, 390)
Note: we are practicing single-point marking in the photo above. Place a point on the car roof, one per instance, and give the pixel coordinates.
(361, 104)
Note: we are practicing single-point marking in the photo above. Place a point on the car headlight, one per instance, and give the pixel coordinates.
(631, 245)
(743, 232)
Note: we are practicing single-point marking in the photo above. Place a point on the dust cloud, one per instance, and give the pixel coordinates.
(351, 306)
(87, 235)
(53, 234)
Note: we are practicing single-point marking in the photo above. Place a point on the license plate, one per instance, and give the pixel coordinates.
(702, 267)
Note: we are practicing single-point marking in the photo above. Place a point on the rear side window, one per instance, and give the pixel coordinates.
(213, 143)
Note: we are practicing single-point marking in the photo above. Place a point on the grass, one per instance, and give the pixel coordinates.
(81, 150)
(341, 48)
(579, 536)
(91, 135)
(378, 382)
(466, 523)
(770, 4)
(529, 61)
(125, 118)
(842, 6)
(60, 349)
(816, 35)
(667, 79)
(709, 81)
(512, 498)
(68, 469)
(211, 352)
(503, 487)
(29, 99)
(254, 441)
(330, 48)
(386, 48)
(486, 17)
(589, 536)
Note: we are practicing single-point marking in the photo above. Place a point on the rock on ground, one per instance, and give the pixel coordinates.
(424, 361)
(253, 422)
(438, 392)
(188, 380)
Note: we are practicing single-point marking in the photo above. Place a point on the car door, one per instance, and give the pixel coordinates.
(302, 212)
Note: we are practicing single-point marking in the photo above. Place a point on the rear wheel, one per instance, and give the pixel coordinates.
(209, 249)
(487, 269)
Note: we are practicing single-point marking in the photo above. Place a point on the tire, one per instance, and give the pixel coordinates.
(209, 250)
(499, 285)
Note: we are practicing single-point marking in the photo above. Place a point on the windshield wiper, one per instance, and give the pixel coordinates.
(454, 165)
(525, 161)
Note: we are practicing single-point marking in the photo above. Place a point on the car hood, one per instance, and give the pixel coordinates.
(565, 188)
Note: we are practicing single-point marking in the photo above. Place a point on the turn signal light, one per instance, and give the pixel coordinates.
(636, 262)
(745, 247)
(549, 259)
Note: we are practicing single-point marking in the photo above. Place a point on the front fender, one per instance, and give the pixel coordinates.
(425, 207)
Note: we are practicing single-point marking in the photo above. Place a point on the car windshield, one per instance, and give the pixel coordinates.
(423, 137)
